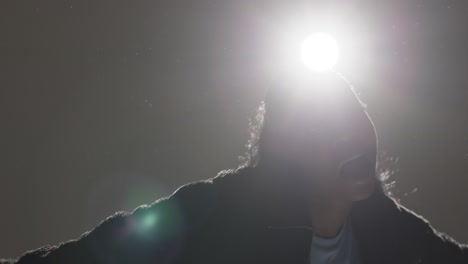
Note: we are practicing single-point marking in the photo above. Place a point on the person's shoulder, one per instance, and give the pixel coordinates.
(195, 201)
(160, 224)
(386, 211)
(418, 222)
(433, 244)
(382, 221)
(205, 191)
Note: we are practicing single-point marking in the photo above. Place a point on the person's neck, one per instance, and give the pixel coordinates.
(327, 218)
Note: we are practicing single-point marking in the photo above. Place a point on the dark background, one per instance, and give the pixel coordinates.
(106, 105)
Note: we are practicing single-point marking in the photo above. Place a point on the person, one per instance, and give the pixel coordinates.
(309, 193)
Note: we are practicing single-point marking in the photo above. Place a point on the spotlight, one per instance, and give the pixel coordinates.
(320, 52)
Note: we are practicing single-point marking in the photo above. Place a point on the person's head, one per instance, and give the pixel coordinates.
(318, 132)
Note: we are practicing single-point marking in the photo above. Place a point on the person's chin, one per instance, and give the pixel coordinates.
(359, 176)
(363, 191)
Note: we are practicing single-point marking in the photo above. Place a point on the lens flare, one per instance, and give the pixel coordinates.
(149, 220)
(320, 52)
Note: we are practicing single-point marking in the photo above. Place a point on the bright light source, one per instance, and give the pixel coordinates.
(320, 52)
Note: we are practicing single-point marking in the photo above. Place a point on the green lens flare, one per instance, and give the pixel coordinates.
(149, 220)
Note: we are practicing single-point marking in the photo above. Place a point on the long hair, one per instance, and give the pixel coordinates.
(257, 153)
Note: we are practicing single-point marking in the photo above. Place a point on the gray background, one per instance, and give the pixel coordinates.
(106, 105)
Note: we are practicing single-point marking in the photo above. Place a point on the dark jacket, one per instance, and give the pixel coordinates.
(239, 217)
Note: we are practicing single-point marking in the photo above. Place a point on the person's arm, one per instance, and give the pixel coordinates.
(151, 234)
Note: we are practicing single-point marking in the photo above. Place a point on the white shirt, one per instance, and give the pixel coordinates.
(341, 249)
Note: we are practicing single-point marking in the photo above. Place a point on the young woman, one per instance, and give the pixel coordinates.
(309, 194)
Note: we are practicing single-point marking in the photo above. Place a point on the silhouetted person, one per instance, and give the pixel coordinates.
(309, 194)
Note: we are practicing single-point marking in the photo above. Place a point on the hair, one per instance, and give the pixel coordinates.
(275, 99)
(257, 155)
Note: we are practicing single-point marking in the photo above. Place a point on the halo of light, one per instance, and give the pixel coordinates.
(149, 220)
(320, 52)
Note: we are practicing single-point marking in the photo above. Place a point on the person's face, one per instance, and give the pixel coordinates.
(330, 137)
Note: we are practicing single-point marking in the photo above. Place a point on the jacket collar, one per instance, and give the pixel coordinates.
(285, 207)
